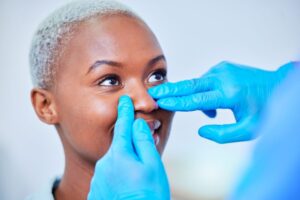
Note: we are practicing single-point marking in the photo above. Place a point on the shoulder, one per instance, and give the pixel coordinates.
(46, 191)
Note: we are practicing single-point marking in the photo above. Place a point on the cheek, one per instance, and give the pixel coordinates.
(87, 127)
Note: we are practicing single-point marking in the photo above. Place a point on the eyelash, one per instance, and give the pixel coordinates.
(160, 72)
(110, 78)
(116, 79)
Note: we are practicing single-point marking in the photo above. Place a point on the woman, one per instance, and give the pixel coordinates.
(84, 56)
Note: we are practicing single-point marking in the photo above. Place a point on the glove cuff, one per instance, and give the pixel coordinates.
(142, 195)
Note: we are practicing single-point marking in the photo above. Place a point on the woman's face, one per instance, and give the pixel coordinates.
(103, 61)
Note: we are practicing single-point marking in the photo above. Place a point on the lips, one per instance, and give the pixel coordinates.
(154, 125)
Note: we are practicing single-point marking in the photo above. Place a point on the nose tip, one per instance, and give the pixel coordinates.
(143, 102)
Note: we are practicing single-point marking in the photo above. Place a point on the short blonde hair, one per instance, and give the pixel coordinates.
(57, 29)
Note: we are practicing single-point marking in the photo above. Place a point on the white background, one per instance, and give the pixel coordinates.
(194, 35)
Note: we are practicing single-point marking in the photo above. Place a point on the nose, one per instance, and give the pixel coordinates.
(142, 101)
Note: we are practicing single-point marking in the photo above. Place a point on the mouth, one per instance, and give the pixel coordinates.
(154, 126)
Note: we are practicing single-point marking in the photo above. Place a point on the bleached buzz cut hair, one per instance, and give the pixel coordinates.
(57, 29)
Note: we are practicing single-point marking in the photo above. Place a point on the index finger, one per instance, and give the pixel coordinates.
(122, 138)
(182, 88)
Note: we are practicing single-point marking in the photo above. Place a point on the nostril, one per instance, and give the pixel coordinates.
(145, 104)
(156, 105)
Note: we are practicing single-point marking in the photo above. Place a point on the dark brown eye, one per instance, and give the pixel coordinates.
(157, 76)
(110, 81)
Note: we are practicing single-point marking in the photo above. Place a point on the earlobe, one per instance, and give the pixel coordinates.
(44, 105)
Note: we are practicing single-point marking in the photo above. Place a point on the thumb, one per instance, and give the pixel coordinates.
(143, 142)
(243, 130)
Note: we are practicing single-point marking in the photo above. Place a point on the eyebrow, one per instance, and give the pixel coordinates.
(154, 60)
(98, 63)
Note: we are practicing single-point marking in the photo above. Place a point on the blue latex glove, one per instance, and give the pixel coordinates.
(132, 167)
(242, 89)
(274, 170)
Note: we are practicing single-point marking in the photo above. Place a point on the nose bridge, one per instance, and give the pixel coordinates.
(142, 101)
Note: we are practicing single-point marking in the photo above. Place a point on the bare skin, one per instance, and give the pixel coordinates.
(83, 102)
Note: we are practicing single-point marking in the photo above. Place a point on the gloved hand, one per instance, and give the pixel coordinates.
(132, 167)
(242, 89)
(273, 172)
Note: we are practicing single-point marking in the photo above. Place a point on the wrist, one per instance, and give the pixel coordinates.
(142, 195)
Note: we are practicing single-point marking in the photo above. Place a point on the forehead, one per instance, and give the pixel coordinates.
(117, 37)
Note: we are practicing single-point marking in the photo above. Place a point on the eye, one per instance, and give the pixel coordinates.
(111, 80)
(158, 76)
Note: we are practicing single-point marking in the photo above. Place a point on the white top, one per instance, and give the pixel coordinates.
(46, 192)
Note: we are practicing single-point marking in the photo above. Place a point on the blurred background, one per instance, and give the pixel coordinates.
(195, 35)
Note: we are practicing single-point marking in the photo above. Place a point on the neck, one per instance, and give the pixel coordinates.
(75, 183)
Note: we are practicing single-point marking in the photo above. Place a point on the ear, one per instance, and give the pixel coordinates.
(44, 105)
